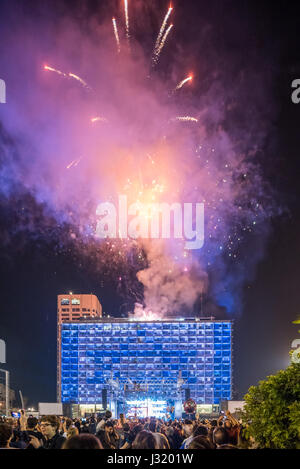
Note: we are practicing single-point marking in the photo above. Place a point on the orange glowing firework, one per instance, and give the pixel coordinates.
(116, 34)
(162, 29)
(183, 82)
(161, 46)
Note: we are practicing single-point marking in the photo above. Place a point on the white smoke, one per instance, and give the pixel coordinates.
(170, 287)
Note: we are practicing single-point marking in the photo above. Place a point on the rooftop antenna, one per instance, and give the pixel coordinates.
(201, 304)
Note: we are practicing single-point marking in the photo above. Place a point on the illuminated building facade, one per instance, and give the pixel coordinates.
(152, 359)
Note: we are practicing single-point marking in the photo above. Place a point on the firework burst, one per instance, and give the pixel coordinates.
(147, 153)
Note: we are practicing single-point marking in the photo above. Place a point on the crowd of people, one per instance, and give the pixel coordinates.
(104, 432)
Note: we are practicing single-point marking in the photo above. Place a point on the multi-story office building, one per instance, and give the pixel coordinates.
(137, 361)
(73, 308)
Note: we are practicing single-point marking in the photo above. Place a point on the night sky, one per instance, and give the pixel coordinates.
(33, 271)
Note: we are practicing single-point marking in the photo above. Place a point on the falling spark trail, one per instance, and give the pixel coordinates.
(66, 75)
(98, 119)
(185, 119)
(183, 82)
(158, 52)
(116, 34)
(76, 77)
(162, 29)
(74, 163)
(151, 159)
(126, 18)
(51, 69)
(70, 165)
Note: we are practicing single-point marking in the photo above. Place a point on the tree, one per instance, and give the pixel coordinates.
(272, 410)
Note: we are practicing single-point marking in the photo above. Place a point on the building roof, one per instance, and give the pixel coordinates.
(130, 320)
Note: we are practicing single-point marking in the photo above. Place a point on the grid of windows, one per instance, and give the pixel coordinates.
(91, 353)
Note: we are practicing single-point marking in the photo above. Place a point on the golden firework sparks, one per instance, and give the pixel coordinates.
(163, 41)
(162, 29)
(126, 18)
